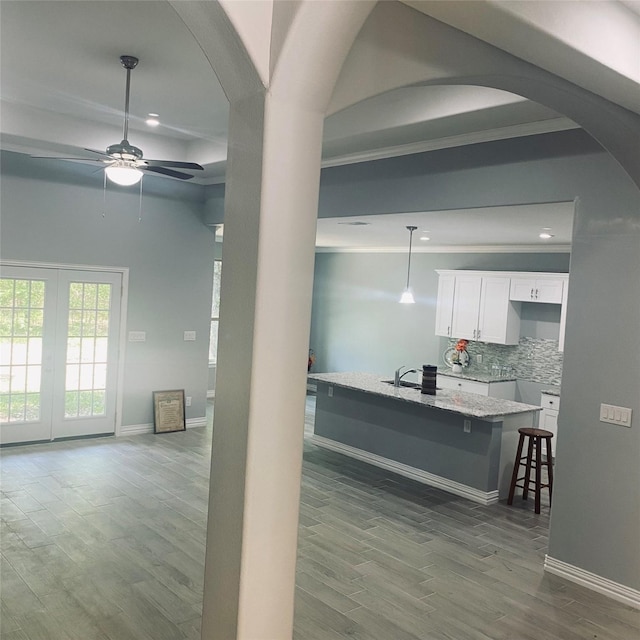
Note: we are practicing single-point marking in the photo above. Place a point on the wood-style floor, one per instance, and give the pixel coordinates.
(104, 540)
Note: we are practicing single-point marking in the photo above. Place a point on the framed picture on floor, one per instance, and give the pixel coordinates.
(168, 411)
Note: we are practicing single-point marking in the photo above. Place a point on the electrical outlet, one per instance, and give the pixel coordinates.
(330, 392)
(188, 401)
(467, 426)
(479, 358)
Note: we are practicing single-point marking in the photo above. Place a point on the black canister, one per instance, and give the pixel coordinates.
(429, 379)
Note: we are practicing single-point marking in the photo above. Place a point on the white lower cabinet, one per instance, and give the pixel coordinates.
(549, 416)
(505, 390)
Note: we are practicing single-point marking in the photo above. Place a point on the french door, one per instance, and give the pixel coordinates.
(59, 344)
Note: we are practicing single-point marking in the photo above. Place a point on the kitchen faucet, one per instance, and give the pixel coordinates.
(399, 374)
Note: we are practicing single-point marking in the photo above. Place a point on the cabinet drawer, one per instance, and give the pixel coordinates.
(549, 401)
(468, 386)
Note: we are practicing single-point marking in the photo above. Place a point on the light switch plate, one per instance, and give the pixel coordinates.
(615, 415)
(189, 336)
(137, 336)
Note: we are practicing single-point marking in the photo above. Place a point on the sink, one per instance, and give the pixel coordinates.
(409, 385)
(404, 383)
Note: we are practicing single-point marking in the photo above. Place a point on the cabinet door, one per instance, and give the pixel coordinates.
(563, 316)
(549, 290)
(549, 421)
(466, 305)
(537, 290)
(523, 289)
(444, 305)
(498, 320)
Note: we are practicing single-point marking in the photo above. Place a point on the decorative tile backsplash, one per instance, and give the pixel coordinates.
(533, 359)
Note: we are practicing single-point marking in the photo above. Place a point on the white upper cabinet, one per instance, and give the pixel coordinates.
(485, 305)
(444, 305)
(499, 318)
(466, 307)
(476, 306)
(537, 289)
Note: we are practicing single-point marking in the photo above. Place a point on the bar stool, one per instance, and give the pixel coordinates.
(532, 459)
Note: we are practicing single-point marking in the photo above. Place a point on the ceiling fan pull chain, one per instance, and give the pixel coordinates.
(104, 194)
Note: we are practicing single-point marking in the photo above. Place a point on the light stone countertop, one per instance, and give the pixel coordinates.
(466, 404)
(552, 391)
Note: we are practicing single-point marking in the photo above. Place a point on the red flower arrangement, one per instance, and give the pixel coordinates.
(459, 349)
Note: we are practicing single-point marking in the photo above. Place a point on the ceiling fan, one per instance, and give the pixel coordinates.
(124, 162)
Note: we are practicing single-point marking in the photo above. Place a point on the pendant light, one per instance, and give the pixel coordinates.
(407, 294)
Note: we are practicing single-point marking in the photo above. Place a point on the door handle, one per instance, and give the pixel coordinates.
(532, 294)
(536, 294)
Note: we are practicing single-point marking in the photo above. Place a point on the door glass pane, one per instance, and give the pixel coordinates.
(21, 322)
(87, 341)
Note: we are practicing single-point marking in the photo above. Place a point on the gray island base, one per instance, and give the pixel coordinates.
(460, 442)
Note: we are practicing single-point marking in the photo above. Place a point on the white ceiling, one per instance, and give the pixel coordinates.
(460, 229)
(62, 89)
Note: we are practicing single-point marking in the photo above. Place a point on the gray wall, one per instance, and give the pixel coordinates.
(52, 212)
(595, 522)
(358, 325)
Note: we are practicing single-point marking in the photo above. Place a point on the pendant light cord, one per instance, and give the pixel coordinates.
(411, 230)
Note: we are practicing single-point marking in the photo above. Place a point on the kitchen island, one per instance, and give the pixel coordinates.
(461, 442)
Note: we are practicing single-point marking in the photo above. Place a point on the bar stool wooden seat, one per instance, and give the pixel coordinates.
(533, 459)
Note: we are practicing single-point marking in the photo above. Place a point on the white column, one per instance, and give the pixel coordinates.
(268, 259)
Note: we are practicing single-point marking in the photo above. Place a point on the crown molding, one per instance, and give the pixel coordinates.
(489, 135)
(556, 248)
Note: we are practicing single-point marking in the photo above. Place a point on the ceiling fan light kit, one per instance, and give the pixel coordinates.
(125, 164)
(123, 173)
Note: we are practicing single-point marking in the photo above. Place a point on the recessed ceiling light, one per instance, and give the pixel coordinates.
(152, 120)
(545, 235)
(425, 238)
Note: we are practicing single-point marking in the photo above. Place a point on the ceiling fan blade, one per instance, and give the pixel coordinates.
(60, 158)
(102, 153)
(168, 172)
(171, 163)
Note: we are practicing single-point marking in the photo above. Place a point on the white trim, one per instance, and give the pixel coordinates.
(61, 265)
(482, 248)
(139, 429)
(475, 495)
(211, 393)
(489, 135)
(606, 587)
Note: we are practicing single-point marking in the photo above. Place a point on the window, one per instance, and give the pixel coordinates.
(215, 312)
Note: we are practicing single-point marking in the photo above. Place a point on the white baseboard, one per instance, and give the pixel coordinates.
(139, 429)
(463, 490)
(606, 587)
